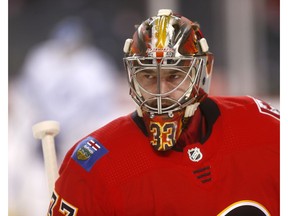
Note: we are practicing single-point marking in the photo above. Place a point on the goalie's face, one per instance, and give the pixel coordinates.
(162, 89)
(171, 84)
(164, 86)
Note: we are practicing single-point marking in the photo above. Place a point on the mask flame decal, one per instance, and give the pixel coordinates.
(160, 31)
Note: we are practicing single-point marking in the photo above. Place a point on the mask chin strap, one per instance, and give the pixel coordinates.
(139, 111)
(190, 110)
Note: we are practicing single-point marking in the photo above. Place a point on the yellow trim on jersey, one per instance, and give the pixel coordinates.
(242, 203)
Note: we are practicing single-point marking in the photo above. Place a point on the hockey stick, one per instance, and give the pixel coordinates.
(46, 131)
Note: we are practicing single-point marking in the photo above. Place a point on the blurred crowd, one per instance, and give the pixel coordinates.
(66, 79)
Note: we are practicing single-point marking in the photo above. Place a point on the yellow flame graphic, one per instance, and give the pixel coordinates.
(161, 31)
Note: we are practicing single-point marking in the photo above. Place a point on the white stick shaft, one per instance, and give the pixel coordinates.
(50, 160)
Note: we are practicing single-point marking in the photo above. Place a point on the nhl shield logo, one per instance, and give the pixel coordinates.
(195, 154)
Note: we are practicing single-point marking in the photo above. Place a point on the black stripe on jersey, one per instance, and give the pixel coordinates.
(140, 123)
(211, 112)
(203, 174)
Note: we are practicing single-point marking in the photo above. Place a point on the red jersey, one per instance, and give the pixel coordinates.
(231, 169)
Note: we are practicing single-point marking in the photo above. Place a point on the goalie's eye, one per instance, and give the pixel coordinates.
(174, 76)
(149, 76)
(146, 78)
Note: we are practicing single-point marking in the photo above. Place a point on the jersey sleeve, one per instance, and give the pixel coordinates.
(84, 185)
(78, 192)
(267, 109)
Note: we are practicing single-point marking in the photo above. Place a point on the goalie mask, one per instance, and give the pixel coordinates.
(169, 70)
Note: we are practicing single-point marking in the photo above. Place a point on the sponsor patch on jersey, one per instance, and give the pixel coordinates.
(88, 152)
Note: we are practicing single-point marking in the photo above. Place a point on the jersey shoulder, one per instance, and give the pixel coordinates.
(247, 122)
(91, 148)
(105, 143)
(247, 106)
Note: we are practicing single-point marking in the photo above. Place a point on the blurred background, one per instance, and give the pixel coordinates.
(65, 64)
